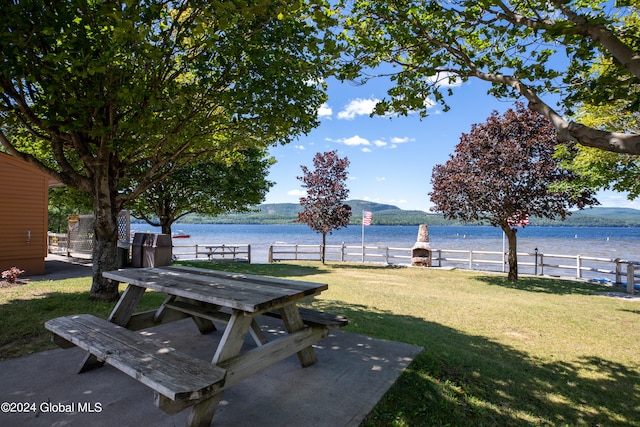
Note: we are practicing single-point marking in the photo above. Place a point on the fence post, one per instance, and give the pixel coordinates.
(270, 256)
(470, 260)
(630, 278)
(249, 253)
(541, 264)
(386, 258)
(618, 271)
(196, 251)
(578, 266)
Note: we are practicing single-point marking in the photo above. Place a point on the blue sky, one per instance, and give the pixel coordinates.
(391, 159)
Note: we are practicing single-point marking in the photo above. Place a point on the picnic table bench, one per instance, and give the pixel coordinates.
(236, 300)
(178, 380)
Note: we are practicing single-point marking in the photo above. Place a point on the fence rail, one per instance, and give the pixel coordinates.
(618, 271)
(535, 263)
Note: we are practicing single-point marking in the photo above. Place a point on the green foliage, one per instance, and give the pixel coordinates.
(110, 97)
(208, 187)
(65, 201)
(525, 49)
(600, 169)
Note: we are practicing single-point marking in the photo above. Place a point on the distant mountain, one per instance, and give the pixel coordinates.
(597, 217)
(383, 214)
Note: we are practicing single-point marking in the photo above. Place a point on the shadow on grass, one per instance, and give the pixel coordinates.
(369, 266)
(23, 318)
(274, 270)
(546, 285)
(458, 380)
(464, 380)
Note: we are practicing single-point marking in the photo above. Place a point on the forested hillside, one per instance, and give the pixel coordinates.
(283, 213)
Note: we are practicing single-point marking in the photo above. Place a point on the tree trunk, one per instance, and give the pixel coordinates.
(105, 243)
(324, 245)
(513, 252)
(166, 228)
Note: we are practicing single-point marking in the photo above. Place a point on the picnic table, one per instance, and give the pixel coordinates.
(223, 250)
(236, 300)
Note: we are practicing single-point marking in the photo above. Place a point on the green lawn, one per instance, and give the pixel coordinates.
(538, 352)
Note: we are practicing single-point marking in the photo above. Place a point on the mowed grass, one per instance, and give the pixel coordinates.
(538, 352)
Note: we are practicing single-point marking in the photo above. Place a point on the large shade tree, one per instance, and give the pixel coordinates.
(502, 172)
(110, 97)
(538, 50)
(323, 208)
(207, 187)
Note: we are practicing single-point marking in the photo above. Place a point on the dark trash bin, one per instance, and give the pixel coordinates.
(136, 249)
(156, 250)
(123, 254)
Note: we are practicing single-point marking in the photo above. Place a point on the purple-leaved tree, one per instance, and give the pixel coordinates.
(504, 171)
(323, 207)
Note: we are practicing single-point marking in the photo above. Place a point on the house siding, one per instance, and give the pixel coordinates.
(24, 198)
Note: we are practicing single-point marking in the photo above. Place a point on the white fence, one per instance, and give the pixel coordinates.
(616, 270)
(535, 263)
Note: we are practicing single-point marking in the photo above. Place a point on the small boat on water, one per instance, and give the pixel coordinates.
(180, 235)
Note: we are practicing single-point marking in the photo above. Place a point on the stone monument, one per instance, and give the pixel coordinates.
(421, 250)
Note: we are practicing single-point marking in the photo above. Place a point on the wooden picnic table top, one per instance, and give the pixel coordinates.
(244, 292)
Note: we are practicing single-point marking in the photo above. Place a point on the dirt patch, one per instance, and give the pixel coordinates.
(5, 284)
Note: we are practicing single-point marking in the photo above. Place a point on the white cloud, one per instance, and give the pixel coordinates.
(325, 111)
(298, 193)
(398, 140)
(380, 178)
(299, 147)
(366, 150)
(353, 141)
(445, 79)
(379, 143)
(358, 107)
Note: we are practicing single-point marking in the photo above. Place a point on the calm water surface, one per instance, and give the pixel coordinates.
(605, 242)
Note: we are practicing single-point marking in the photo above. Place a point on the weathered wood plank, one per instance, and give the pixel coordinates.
(233, 337)
(316, 318)
(225, 291)
(215, 315)
(246, 364)
(251, 278)
(148, 319)
(126, 305)
(293, 322)
(167, 371)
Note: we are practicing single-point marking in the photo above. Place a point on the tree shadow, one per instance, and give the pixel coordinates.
(546, 285)
(367, 266)
(463, 380)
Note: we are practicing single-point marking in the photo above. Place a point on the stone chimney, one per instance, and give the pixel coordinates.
(421, 251)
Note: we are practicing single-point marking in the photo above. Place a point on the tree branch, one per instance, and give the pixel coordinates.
(568, 131)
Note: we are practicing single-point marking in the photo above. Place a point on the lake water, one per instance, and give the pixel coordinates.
(604, 242)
